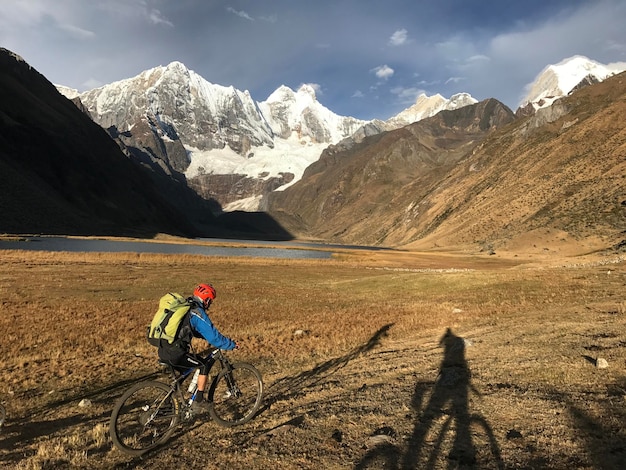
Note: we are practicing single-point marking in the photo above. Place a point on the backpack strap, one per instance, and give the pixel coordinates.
(184, 334)
(166, 318)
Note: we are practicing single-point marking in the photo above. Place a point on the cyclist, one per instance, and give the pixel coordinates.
(196, 323)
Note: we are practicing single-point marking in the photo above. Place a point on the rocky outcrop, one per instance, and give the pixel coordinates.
(226, 189)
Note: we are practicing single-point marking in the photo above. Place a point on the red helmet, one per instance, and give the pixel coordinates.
(205, 294)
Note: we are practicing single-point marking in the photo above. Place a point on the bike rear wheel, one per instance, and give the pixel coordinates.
(235, 395)
(144, 417)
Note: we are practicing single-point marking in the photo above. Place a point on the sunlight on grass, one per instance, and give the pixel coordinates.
(91, 311)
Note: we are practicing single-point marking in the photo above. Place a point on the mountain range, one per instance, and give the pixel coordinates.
(63, 174)
(228, 146)
(200, 150)
(235, 150)
(478, 178)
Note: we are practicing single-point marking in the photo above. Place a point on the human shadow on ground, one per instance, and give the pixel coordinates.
(601, 429)
(442, 423)
(297, 385)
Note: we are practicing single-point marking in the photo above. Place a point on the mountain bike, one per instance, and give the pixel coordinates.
(146, 415)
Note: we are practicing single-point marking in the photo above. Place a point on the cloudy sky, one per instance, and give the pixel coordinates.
(366, 58)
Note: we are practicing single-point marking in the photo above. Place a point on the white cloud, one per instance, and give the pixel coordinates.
(317, 88)
(240, 13)
(454, 80)
(615, 46)
(478, 58)
(399, 37)
(269, 18)
(357, 94)
(91, 84)
(384, 72)
(77, 32)
(156, 17)
(16, 15)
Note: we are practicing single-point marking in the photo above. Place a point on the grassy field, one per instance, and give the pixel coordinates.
(371, 360)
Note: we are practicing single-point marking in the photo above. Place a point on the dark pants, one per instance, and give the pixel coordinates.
(182, 360)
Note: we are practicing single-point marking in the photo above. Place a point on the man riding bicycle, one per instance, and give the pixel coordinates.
(196, 324)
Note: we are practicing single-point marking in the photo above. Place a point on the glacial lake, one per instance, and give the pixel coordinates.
(285, 250)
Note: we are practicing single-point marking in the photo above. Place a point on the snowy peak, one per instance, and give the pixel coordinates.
(177, 119)
(69, 93)
(307, 90)
(282, 94)
(558, 80)
(288, 113)
(427, 106)
(183, 105)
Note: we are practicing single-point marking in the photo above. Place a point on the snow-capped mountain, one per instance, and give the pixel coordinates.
(287, 112)
(182, 105)
(234, 149)
(556, 81)
(68, 92)
(427, 106)
(223, 130)
(301, 128)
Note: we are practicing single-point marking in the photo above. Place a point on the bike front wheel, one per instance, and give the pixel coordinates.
(144, 417)
(235, 395)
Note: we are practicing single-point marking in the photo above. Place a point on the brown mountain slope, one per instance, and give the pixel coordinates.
(358, 194)
(556, 178)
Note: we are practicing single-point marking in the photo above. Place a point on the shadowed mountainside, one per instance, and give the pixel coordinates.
(555, 178)
(61, 173)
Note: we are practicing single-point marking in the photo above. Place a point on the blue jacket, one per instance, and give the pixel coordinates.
(202, 325)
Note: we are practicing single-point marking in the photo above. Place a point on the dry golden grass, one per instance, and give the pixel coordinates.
(528, 394)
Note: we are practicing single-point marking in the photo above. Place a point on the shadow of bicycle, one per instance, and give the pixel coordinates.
(445, 425)
(292, 386)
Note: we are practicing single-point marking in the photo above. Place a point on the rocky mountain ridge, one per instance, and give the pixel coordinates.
(426, 106)
(364, 182)
(558, 176)
(172, 118)
(235, 150)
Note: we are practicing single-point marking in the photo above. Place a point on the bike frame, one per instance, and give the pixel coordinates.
(140, 421)
(179, 376)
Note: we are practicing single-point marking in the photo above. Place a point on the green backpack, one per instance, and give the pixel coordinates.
(167, 320)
